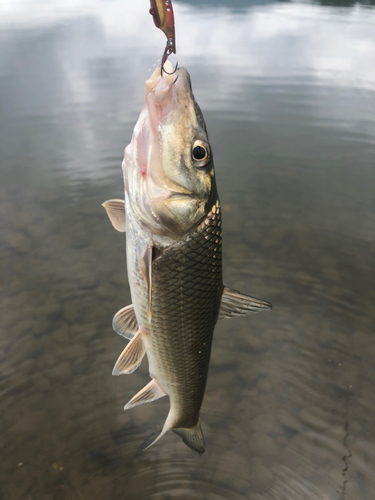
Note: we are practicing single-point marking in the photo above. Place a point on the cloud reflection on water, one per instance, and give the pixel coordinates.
(275, 62)
(332, 45)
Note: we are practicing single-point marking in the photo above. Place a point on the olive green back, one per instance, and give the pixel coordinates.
(186, 294)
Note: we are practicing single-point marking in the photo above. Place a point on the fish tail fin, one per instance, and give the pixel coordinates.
(155, 436)
(192, 437)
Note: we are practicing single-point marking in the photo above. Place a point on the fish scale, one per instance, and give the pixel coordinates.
(186, 294)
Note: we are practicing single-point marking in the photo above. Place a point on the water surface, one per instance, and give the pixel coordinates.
(288, 92)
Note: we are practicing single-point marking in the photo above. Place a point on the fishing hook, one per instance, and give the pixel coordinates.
(162, 13)
(167, 52)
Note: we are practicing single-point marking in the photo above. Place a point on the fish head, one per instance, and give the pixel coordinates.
(168, 166)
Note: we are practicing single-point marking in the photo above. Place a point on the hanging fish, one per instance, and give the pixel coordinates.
(172, 218)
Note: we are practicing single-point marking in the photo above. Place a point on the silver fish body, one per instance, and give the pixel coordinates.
(173, 226)
(186, 298)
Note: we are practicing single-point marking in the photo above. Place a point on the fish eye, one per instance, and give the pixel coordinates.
(200, 153)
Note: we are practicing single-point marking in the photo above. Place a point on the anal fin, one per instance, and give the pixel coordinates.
(131, 357)
(116, 212)
(125, 322)
(234, 303)
(149, 393)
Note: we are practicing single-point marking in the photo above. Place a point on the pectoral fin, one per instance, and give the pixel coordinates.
(116, 212)
(125, 322)
(131, 356)
(149, 393)
(147, 275)
(234, 303)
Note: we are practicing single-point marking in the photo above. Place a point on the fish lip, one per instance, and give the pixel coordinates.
(162, 84)
(180, 194)
(184, 196)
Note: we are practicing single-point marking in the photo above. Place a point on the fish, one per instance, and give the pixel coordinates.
(172, 218)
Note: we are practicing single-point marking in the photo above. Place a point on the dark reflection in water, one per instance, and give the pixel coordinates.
(288, 94)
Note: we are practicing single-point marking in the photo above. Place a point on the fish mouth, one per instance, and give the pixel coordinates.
(167, 191)
(163, 83)
(170, 115)
(184, 195)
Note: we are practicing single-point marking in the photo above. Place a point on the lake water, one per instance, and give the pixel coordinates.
(288, 93)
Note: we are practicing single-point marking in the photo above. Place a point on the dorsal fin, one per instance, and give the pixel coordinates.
(125, 322)
(234, 303)
(149, 393)
(131, 357)
(116, 212)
